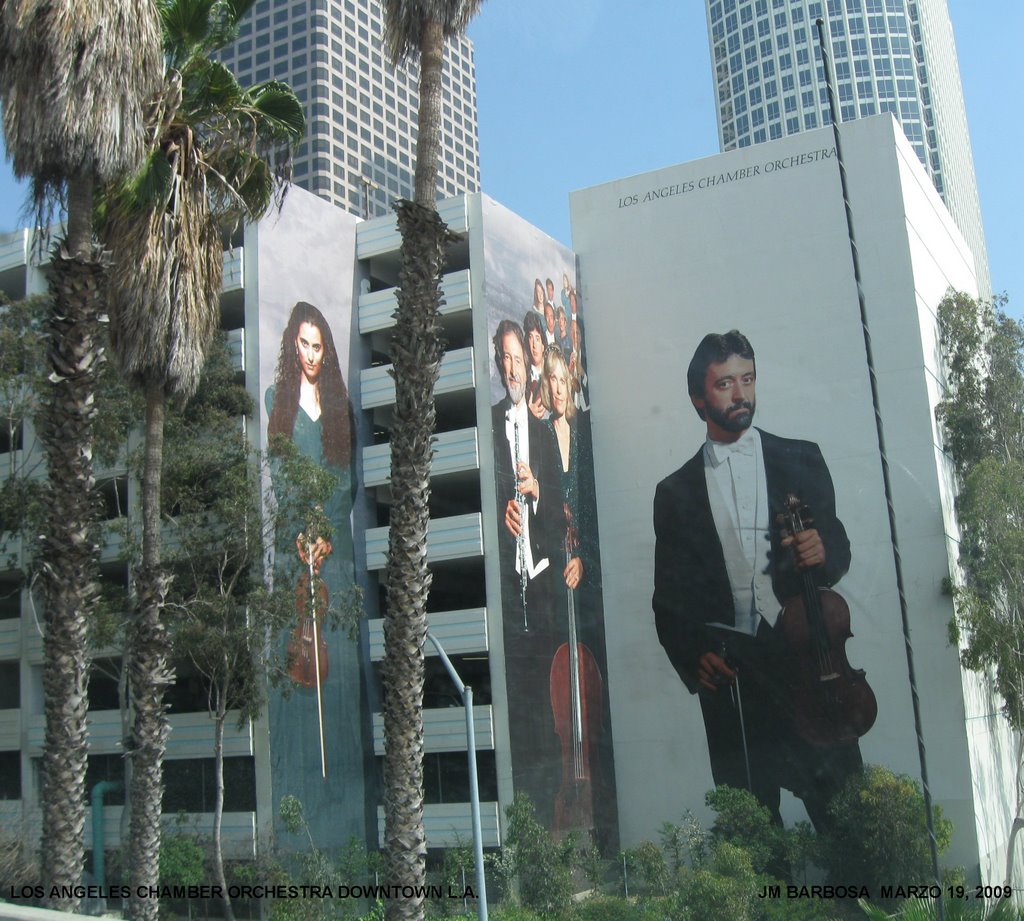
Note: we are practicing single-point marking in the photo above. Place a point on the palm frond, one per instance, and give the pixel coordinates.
(164, 287)
(227, 16)
(73, 84)
(219, 153)
(280, 111)
(186, 25)
(209, 88)
(257, 191)
(151, 186)
(404, 21)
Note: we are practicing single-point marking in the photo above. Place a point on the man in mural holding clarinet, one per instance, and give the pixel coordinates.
(725, 566)
(531, 534)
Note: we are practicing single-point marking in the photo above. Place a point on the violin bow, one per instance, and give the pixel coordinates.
(316, 657)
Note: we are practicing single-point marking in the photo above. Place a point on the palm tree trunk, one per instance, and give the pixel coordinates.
(149, 646)
(428, 116)
(417, 351)
(69, 551)
(218, 806)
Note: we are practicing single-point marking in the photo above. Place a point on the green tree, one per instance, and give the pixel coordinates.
(414, 28)
(538, 866)
(217, 609)
(22, 377)
(725, 887)
(879, 832)
(218, 153)
(221, 615)
(742, 821)
(73, 81)
(982, 425)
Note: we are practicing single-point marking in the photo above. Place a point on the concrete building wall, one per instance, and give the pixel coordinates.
(756, 239)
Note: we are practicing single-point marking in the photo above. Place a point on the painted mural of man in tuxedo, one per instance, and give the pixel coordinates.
(723, 567)
(530, 552)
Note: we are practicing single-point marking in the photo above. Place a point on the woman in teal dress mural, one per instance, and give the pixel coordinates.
(308, 403)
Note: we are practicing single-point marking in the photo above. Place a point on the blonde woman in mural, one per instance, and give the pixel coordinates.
(556, 393)
(576, 682)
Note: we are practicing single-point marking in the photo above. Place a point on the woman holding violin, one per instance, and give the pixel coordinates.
(308, 404)
(738, 592)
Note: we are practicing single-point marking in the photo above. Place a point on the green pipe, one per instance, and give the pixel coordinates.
(98, 791)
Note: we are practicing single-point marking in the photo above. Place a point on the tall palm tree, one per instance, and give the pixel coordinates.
(73, 80)
(218, 153)
(413, 28)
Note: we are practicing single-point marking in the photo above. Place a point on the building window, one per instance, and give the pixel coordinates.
(189, 785)
(104, 676)
(10, 775)
(10, 685)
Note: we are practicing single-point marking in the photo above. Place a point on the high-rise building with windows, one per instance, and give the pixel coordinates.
(893, 56)
(360, 146)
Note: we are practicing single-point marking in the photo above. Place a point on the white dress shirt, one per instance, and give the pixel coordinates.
(516, 418)
(738, 494)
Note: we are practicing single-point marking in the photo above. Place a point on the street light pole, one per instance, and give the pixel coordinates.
(474, 790)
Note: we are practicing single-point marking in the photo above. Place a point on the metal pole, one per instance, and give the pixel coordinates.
(98, 826)
(474, 789)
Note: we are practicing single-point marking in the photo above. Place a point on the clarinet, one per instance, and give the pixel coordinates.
(521, 539)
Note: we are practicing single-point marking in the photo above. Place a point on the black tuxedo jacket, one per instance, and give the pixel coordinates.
(691, 584)
(547, 524)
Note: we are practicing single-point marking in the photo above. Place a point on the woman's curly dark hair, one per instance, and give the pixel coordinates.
(335, 423)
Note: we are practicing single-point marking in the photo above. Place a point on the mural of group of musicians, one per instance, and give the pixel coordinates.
(552, 609)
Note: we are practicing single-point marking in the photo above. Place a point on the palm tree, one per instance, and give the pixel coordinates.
(218, 153)
(413, 27)
(73, 80)
(953, 909)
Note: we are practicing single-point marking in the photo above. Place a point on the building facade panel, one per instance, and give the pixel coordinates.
(700, 247)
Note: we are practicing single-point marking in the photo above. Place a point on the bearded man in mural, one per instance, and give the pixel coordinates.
(725, 564)
(528, 485)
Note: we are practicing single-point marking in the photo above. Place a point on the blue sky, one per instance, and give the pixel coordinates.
(576, 92)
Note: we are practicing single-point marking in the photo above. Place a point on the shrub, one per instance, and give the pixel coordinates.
(540, 866)
(879, 832)
(743, 822)
(611, 908)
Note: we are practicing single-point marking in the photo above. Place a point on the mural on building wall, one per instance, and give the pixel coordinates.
(318, 741)
(747, 545)
(308, 404)
(552, 607)
(714, 673)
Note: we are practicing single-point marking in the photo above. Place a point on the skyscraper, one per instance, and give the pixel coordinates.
(360, 145)
(893, 56)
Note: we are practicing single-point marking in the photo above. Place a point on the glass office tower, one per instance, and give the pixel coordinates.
(893, 56)
(360, 145)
